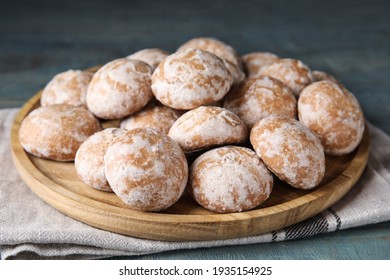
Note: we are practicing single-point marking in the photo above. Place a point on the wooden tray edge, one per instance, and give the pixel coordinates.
(206, 227)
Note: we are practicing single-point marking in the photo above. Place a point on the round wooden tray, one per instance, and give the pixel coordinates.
(58, 184)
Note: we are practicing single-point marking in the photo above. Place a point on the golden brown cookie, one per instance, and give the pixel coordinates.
(334, 114)
(292, 72)
(208, 126)
(290, 150)
(230, 179)
(119, 88)
(89, 161)
(237, 74)
(57, 131)
(159, 117)
(146, 169)
(69, 87)
(260, 97)
(153, 57)
(215, 46)
(256, 61)
(323, 76)
(191, 78)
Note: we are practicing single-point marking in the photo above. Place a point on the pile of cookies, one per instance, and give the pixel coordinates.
(243, 119)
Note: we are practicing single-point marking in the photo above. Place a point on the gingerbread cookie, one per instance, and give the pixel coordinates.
(57, 131)
(89, 161)
(290, 150)
(256, 61)
(191, 78)
(260, 97)
(208, 126)
(119, 88)
(333, 114)
(215, 46)
(69, 87)
(292, 72)
(146, 169)
(230, 179)
(153, 57)
(154, 116)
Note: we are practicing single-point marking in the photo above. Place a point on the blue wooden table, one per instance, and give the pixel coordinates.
(349, 39)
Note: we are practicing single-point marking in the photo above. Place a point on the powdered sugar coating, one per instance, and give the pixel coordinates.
(290, 150)
(153, 116)
(153, 57)
(146, 169)
(260, 97)
(230, 179)
(334, 114)
(69, 87)
(207, 126)
(323, 76)
(292, 72)
(191, 78)
(256, 61)
(215, 46)
(237, 74)
(89, 161)
(119, 88)
(57, 131)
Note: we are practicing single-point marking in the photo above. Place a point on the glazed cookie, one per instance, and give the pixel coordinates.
(119, 88)
(230, 179)
(146, 169)
(69, 87)
(207, 126)
(290, 150)
(191, 78)
(334, 114)
(57, 131)
(292, 72)
(89, 161)
(260, 97)
(153, 57)
(323, 76)
(153, 116)
(215, 46)
(237, 74)
(256, 61)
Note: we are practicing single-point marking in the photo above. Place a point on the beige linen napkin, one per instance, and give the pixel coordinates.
(31, 228)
